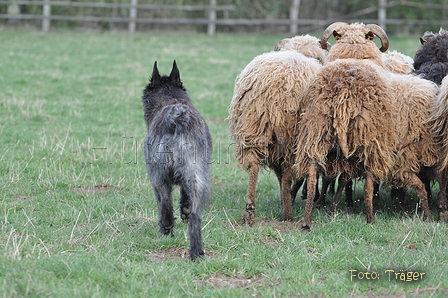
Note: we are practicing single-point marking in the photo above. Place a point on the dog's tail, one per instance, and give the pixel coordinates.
(179, 117)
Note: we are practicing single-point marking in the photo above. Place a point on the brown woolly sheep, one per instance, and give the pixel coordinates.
(439, 126)
(362, 120)
(417, 149)
(264, 114)
(346, 128)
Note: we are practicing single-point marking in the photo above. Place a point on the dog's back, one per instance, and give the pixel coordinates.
(178, 137)
(177, 152)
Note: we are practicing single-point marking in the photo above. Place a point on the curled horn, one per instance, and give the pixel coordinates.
(378, 31)
(328, 45)
(333, 27)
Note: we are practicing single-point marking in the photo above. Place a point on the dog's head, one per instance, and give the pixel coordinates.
(173, 79)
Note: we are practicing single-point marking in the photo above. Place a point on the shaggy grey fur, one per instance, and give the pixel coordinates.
(177, 152)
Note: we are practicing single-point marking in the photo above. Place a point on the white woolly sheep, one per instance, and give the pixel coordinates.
(264, 115)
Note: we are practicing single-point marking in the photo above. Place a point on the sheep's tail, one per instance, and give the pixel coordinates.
(340, 124)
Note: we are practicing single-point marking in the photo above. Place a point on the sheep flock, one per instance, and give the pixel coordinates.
(352, 110)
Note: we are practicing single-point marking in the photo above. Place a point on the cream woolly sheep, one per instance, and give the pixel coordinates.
(305, 44)
(397, 62)
(357, 119)
(264, 114)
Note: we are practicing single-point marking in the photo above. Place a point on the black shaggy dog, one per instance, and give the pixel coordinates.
(177, 152)
(431, 59)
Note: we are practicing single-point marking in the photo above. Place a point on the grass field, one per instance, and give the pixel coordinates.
(78, 216)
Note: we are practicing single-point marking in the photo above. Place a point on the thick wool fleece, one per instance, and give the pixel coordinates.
(305, 44)
(347, 123)
(267, 103)
(439, 122)
(431, 59)
(416, 148)
(397, 62)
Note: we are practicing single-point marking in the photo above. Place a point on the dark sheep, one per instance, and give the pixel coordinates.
(431, 59)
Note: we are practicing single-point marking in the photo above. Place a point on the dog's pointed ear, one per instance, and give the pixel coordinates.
(155, 78)
(175, 75)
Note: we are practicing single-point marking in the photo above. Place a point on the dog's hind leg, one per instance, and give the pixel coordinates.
(184, 205)
(198, 196)
(195, 233)
(165, 206)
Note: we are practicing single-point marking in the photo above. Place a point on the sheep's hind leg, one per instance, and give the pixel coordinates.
(321, 201)
(295, 189)
(311, 189)
(342, 182)
(442, 205)
(420, 189)
(286, 195)
(368, 197)
(249, 215)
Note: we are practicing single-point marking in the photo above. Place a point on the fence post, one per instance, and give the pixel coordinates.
(46, 10)
(382, 13)
(133, 16)
(294, 17)
(212, 18)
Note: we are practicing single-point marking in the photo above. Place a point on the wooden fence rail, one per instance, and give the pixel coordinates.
(212, 21)
(46, 16)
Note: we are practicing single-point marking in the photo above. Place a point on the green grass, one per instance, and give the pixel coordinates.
(65, 93)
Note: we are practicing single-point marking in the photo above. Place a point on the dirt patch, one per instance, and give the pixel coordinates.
(99, 188)
(21, 197)
(419, 292)
(175, 253)
(227, 281)
(280, 226)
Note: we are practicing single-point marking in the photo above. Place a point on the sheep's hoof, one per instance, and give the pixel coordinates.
(305, 227)
(427, 217)
(288, 218)
(370, 220)
(443, 216)
(248, 218)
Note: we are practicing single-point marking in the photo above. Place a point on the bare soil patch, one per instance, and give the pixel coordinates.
(175, 253)
(419, 292)
(280, 226)
(21, 197)
(99, 188)
(223, 281)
